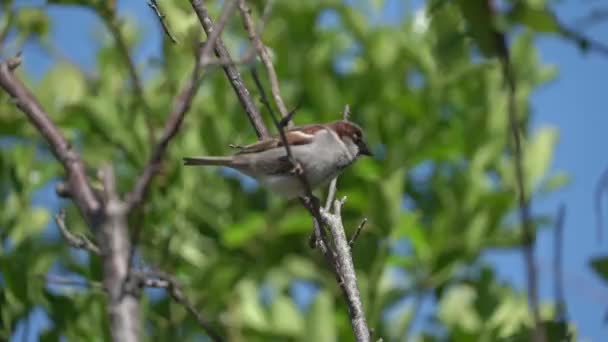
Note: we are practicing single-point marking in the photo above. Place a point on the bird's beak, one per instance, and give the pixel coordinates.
(364, 149)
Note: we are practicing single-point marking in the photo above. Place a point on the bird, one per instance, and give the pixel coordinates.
(322, 151)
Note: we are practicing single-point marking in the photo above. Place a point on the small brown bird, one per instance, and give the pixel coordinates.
(322, 150)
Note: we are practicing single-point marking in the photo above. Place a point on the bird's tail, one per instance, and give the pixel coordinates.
(221, 161)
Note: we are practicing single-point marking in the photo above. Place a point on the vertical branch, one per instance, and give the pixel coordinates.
(346, 270)
(107, 220)
(233, 74)
(264, 56)
(558, 280)
(338, 258)
(113, 237)
(525, 216)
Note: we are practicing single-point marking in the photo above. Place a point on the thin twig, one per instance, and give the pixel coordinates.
(214, 35)
(123, 48)
(159, 279)
(181, 105)
(250, 53)
(80, 242)
(525, 217)
(353, 239)
(595, 16)
(65, 281)
(162, 19)
(265, 57)
(232, 73)
(558, 250)
(346, 113)
(600, 189)
(332, 186)
(331, 193)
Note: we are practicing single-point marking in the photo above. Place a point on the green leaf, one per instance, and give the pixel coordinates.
(538, 155)
(538, 19)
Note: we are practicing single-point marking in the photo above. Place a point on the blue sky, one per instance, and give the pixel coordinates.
(575, 103)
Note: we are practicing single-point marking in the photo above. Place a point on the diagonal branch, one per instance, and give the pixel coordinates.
(73, 240)
(181, 105)
(254, 37)
(78, 184)
(159, 279)
(339, 259)
(234, 76)
(107, 220)
(346, 270)
(153, 4)
(114, 27)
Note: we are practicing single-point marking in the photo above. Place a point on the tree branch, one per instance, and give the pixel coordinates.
(234, 77)
(346, 269)
(254, 37)
(558, 280)
(107, 221)
(340, 259)
(78, 184)
(153, 4)
(75, 241)
(525, 217)
(113, 237)
(113, 25)
(159, 279)
(181, 105)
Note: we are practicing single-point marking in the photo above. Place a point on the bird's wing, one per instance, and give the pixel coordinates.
(295, 136)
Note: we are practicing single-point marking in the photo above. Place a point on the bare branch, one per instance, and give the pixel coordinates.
(75, 241)
(600, 189)
(264, 56)
(332, 186)
(159, 279)
(558, 250)
(250, 53)
(78, 184)
(340, 259)
(181, 105)
(595, 16)
(114, 27)
(525, 217)
(113, 237)
(346, 113)
(353, 239)
(234, 77)
(66, 281)
(346, 269)
(331, 193)
(162, 19)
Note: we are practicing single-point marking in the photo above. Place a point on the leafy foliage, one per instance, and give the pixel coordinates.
(440, 192)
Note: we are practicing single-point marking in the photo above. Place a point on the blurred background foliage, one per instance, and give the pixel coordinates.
(439, 192)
